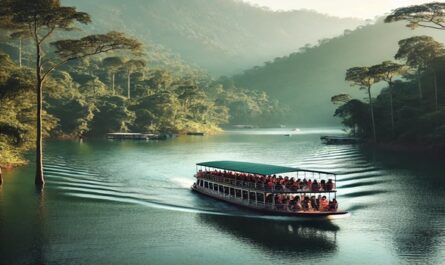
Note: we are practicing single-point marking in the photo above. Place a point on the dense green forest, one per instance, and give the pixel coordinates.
(221, 36)
(81, 101)
(306, 79)
(116, 92)
(410, 109)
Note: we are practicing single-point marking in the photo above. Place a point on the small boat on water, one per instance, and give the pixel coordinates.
(140, 136)
(299, 192)
(340, 140)
(196, 133)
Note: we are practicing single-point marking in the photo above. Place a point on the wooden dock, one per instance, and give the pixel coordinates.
(140, 136)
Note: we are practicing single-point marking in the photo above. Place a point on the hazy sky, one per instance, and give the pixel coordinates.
(341, 8)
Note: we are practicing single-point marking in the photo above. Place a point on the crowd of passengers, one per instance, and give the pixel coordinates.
(295, 203)
(275, 182)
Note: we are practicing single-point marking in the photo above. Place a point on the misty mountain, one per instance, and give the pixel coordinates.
(307, 79)
(222, 36)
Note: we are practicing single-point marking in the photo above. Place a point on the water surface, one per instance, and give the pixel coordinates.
(123, 202)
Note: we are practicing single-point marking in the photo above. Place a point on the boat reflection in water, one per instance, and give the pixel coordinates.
(284, 238)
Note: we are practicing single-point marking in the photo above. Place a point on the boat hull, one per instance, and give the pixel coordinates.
(253, 207)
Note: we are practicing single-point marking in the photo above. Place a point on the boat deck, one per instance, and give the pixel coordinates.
(264, 207)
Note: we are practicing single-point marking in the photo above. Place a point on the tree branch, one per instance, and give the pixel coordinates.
(50, 31)
(98, 50)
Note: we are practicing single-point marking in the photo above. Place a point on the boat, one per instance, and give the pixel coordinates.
(250, 185)
(139, 136)
(128, 136)
(196, 133)
(340, 140)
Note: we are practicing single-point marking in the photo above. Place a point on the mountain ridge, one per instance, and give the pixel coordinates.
(222, 36)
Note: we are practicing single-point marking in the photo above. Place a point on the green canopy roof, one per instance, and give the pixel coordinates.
(255, 168)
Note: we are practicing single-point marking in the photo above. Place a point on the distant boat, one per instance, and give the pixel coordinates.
(296, 130)
(245, 126)
(128, 136)
(340, 140)
(196, 133)
(139, 136)
(282, 126)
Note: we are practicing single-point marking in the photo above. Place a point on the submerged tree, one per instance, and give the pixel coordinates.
(364, 79)
(42, 18)
(419, 52)
(387, 71)
(430, 15)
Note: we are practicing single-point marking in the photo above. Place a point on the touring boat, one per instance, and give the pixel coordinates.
(271, 189)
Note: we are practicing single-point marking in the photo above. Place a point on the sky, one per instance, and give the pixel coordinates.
(365, 9)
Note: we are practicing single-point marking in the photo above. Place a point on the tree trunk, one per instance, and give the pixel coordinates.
(128, 85)
(392, 111)
(372, 115)
(112, 82)
(39, 179)
(20, 52)
(1, 177)
(435, 90)
(419, 84)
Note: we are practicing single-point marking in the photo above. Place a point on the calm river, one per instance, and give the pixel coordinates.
(129, 202)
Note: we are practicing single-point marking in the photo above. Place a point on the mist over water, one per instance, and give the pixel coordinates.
(123, 202)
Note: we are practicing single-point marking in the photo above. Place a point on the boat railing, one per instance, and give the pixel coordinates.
(258, 186)
(263, 205)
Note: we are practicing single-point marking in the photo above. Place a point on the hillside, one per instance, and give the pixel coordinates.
(306, 80)
(222, 36)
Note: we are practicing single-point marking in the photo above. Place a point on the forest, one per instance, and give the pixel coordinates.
(410, 109)
(90, 94)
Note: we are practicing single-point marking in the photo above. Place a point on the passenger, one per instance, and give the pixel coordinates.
(333, 205)
(309, 185)
(297, 206)
(323, 185)
(270, 184)
(329, 185)
(314, 203)
(295, 186)
(315, 186)
(324, 204)
(306, 204)
(269, 198)
(304, 183)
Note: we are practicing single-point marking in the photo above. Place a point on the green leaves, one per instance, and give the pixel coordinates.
(419, 51)
(431, 15)
(361, 76)
(95, 44)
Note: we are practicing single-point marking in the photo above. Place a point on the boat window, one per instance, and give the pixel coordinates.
(206, 184)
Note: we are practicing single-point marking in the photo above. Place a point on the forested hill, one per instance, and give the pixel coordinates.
(306, 80)
(222, 36)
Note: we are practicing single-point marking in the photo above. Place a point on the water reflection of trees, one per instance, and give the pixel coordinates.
(22, 221)
(417, 224)
(284, 238)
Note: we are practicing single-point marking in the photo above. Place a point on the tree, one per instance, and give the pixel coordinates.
(364, 79)
(113, 64)
(42, 18)
(419, 53)
(387, 71)
(340, 99)
(20, 36)
(430, 15)
(130, 66)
